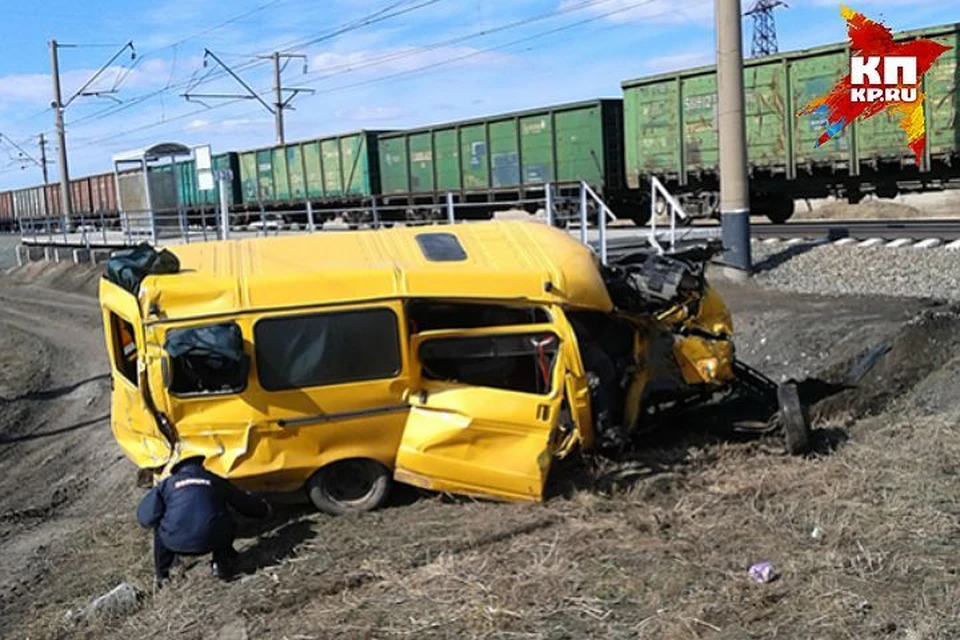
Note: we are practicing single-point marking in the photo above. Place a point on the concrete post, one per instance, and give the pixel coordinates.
(734, 185)
(311, 225)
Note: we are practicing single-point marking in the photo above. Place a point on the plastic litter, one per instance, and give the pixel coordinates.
(817, 533)
(762, 573)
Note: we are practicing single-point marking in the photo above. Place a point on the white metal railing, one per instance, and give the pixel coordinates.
(657, 189)
(566, 201)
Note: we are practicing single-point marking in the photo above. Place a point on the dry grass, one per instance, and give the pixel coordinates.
(664, 555)
(657, 546)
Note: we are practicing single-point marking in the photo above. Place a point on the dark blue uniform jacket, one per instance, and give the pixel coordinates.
(190, 509)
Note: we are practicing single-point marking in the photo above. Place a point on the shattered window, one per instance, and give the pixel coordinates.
(434, 315)
(207, 360)
(523, 363)
(124, 347)
(295, 352)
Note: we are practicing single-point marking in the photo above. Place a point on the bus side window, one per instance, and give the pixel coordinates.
(125, 347)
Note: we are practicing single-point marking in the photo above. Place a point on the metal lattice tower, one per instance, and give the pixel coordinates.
(764, 27)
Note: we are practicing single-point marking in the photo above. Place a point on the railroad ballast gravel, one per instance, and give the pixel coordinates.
(827, 269)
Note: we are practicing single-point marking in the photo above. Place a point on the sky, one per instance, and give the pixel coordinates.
(371, 64)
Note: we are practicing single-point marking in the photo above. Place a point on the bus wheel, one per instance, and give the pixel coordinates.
(349, 486)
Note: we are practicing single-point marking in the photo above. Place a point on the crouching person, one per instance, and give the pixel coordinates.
(189, 513)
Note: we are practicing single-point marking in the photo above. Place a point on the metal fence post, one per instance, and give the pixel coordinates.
(673, 227)
(376, 213)
(103, 227)
(203, 221)
(548, 196)
(263, 219)
(311, 227)
(224, 209)
(83, 227)
(451, 216)
(602, 226)
(583, 212)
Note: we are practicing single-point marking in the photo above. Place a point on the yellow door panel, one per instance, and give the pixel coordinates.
(466, 435)
(132, 423)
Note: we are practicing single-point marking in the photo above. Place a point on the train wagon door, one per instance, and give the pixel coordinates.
(485, 407)
(133, 425)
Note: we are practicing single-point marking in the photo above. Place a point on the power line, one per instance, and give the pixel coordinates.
(425, 68)
(194, 36)
(378, 16)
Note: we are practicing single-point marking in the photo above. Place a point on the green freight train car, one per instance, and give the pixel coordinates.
(670, 131)
(332, 173)
(505, 158)
(192, 198)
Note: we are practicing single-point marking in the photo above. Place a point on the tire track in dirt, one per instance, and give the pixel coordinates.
(61, 467)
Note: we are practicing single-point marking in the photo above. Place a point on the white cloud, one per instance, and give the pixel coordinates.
(662, 11)
(677, 61)
(364, 113)
(33, 87)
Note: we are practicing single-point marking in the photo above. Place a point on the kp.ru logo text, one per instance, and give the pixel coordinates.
(885, 75)
(897, 84)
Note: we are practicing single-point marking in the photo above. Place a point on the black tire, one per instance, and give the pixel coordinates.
(349, 486)
(641, 219)
(793, 419)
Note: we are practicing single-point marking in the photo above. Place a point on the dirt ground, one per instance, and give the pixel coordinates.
(863, 533)
(943, 204)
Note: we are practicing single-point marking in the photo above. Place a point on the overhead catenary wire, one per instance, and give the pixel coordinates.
(417, 70)
(583, 4)
(212, 74)
(156, 50)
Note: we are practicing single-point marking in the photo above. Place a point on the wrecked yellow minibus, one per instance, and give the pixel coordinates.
(460, 359)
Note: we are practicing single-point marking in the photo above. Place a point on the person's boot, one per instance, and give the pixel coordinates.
(222, 563)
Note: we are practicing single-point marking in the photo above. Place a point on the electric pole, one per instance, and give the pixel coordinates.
(43, 158)
(58, 108)
(734, 184)
(278, 93)
(279, 103)
(764, 27)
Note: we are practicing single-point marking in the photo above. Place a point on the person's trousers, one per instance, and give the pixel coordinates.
(163, 558)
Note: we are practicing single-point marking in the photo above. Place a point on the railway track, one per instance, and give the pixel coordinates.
(943, 229)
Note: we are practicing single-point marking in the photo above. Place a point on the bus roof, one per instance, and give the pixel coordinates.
(482, 260)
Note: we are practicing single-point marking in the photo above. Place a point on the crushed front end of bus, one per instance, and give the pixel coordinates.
(684, 357)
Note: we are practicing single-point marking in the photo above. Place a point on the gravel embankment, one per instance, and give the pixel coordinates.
(831, 270)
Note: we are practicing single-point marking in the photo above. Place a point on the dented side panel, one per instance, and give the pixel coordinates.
(275, 440)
